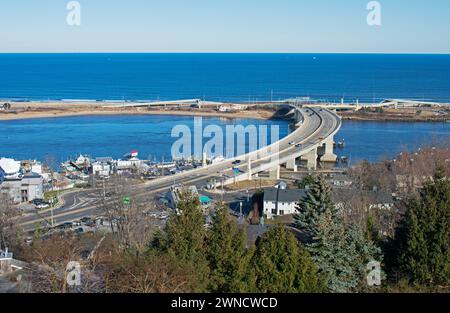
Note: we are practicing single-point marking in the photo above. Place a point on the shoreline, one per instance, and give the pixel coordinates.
(35, 110)
(388, 119)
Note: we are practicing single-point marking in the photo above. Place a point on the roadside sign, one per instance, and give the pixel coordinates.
(126, 200)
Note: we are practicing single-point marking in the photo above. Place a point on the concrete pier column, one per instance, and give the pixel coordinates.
(274, 173)
(292, 165)
(204, 161)
(249, 169)
(311, 159)
(329, 155)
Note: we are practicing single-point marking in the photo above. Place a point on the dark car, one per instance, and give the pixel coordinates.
(237, 162)
(38, 201)
(86, 220)
(79, 230)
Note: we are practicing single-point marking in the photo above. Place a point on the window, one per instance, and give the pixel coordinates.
(281, 212)
(274, 211)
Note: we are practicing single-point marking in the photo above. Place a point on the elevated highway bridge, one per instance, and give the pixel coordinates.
(311, 141)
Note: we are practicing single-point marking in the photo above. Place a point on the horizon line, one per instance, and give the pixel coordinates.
(219, 52)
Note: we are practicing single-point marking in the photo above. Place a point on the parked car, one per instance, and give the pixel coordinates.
(43, 205)
(237, 162)
(37, 201)
(86, 219)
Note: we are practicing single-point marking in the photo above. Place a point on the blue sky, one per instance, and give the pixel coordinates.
(415, 26)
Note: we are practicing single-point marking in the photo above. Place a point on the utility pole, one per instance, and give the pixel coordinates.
(52, 220)
(222, 190)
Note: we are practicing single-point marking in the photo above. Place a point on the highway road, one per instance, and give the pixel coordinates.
(316, 127)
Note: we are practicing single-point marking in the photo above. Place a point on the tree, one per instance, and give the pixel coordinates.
(129, 223)
(184, 236)
(317, 203)
(423, 237)
(282, 265)
(9, 229)
(49, 260)
(151, 272)
(306, 181)
(341, 252)
(229, 262)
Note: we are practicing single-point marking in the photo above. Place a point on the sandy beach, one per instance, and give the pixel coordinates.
(29, 110)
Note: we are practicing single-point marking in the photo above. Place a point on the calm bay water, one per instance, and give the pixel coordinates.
(151, 136)
(101, 136)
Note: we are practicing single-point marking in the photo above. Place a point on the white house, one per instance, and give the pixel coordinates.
(102, 167)
(279, 202)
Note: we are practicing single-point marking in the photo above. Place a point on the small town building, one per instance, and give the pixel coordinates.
(173, 196)
(102, 167)
(279, 202)
(232, 107)
(20, 185)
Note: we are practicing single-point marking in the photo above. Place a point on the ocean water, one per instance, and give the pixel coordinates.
(224, 77)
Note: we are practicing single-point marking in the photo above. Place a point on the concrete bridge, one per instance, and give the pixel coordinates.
(311, 142)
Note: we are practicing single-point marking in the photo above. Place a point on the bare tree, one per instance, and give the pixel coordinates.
(8, 222)
(49, 259)
(126, 212)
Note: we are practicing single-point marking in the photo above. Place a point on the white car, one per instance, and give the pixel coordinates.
(292, 143)
(43, 206)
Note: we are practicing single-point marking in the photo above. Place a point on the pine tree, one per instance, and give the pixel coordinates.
(282, 265)
(227, 256)
(318, 202)
(423, 238)
(184, 236)
(341, 252)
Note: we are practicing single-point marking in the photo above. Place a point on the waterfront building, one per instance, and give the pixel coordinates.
(20, 183)
(102, 167)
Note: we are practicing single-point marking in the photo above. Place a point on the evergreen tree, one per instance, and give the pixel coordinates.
(226, 253)
(306, 182)
(318, 202)
(184, 236)
(341, 252)
(282, 265)
(423, 238)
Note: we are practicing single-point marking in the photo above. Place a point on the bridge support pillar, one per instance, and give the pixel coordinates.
(311, 159)
(249, 170)
(274, 173)
(329, 155)
(204, 161)
(292, 165)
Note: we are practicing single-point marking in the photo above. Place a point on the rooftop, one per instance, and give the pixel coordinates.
(284, 195)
